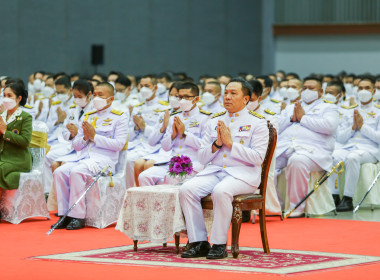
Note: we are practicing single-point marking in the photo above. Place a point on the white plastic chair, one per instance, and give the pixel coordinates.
(103, 202)
(28, 200)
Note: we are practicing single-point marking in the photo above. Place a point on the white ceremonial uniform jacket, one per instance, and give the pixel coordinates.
(195, 122)
(151, 111)
(249, 132)
(111, 128)
(314, 136)
(271, 104)
(213, 107)
(368, 137)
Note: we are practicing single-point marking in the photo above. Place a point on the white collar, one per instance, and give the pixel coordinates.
(13, 117)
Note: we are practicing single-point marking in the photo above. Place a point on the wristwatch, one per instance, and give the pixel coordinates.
(184, 134)
(216, 145)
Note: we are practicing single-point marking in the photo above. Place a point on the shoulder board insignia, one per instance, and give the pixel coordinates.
(117, 112)
(138, 105)
(377, 106)
(175, 113)
(327, 101)
(257, 115)
(269, 112)
(354, 106)
(165, 103)
(28, 106)
(349, 107)
(73, 106)
(218, 114)
(158, 110)
(205, 112)
(41, 98)
(56, 102)
(90, 113)
(53, 95)
(275, 100)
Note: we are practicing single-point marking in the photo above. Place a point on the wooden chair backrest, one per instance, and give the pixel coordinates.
(268, 159)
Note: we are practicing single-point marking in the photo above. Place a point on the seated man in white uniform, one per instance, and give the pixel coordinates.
(99, 140)
(267, 101)
(210, 98)
(306, 140)
(123, 99)
(233, 150)
(360, 137)
(183, 134)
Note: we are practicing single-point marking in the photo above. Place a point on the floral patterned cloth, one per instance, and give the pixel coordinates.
(153, 213)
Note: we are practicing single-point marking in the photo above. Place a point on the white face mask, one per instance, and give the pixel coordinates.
(174, 102)
(38, 85)
(208, 98)
(186, 105)
(283, 92)
(120, 96)
(161, 88)
(63, 97)
(364, 96)
(81, 102)
(330, 97)
(355, 89)
(99, 103)
(324, 85)
(47, 91)
(146, 93)
(9, 103)
(252, 105)
(377, 94)
(293, 94)
(309, 96)
(30, 88)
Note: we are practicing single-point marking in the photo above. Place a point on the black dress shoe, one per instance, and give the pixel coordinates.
(218, 251)
(75, 224)
(63, 224)
(246, 216)
(197, 250)
(336, 199)
(345, 204)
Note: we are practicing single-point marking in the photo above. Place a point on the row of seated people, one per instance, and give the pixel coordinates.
(309, 129)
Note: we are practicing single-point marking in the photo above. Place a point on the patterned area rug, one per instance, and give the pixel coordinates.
(250, 259)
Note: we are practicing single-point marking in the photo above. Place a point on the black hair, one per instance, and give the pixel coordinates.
(189, 85)
(125, 81)
(64, 81)
(13, 81)
(83, 86)
(119, 74)
(63, 74)
(245, 86)
(19, 89)
(151, 77)
(101, 75)
(217, 84)
(257, 87)
(38, 72)
(313, 78)
(267, 81)
(107, 85)
(176, 85)
(338, 84)
(295, 75)
(368, 78)
(166, 76)
(74, 75)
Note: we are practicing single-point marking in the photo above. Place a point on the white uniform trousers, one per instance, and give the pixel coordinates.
(297, 173)
(71, 180)
(154, 175)
(352, 160)
(223, 188)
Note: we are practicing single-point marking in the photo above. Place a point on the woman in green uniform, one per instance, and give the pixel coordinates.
(15, 135)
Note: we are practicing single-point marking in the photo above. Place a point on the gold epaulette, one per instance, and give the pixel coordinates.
(90, 113)
(218, 114)
(175, 113)
(73, 106)
(165, 103)
(377, 106)
(138, 105)
(257, 115)
(205, 112)
(41, 98)
(116, 112)
(328, 101)
(159, 110)
(28, 106)
(349, 107)
(56, 102)
(269, 112)
(275, 100)
(53, 95)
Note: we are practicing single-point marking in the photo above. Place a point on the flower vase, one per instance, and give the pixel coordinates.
(181, 179)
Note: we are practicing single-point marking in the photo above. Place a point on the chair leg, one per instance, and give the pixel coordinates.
(263, 230)
(165, 245)
(236, 224)
(135, 245)
(176, 237)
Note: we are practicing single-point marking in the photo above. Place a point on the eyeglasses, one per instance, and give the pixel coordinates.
(187, 97)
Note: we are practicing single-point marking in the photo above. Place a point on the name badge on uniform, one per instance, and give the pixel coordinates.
(104, 124)
(71, 118)
(194, 124)
(245, 128)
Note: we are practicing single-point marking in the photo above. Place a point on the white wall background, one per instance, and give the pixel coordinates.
(328, 54)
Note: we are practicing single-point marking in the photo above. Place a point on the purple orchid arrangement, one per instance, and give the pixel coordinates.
(180, 166)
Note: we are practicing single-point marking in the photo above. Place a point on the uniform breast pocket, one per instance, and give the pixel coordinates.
(242, 137)
(105, 129)
(195, 130)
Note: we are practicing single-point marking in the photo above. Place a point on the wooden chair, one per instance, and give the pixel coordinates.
(250, 201)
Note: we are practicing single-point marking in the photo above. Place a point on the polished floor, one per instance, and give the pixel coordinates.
(363, 214)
